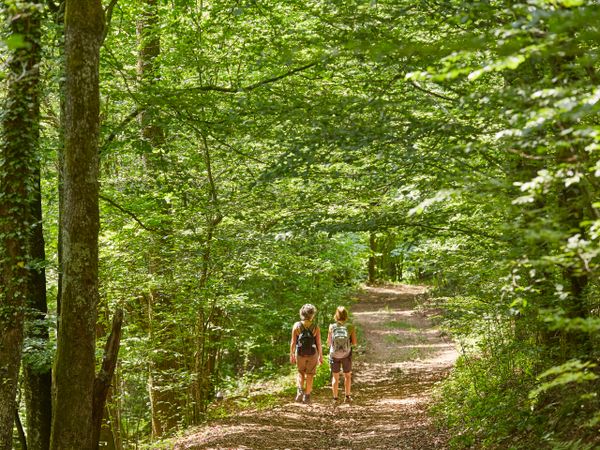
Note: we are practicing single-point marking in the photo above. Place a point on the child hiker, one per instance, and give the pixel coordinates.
(340, 339)
(306, 351)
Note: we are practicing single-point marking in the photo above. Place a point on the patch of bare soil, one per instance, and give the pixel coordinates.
(398, 363)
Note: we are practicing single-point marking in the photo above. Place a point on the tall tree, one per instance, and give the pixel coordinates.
(37, 369)
(75, 356)
(163, 363)
(20, 127)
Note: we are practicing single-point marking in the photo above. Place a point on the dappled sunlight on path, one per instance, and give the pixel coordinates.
(395, 369)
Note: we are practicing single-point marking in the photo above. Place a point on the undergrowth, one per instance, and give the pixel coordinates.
(506, 393)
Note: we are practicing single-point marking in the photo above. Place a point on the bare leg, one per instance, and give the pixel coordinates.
(309, 383)
(347, 382)
(335, 382)
(301, 379)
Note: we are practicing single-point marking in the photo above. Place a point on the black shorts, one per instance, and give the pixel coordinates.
(344, 363)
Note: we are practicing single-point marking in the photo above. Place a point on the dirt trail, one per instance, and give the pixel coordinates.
(401, 358)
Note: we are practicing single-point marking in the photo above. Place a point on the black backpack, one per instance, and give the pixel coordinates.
(306, 342)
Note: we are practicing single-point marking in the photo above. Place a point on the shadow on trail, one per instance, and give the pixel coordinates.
(402, 358)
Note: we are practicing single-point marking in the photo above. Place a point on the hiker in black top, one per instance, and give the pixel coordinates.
(340, 339)
(306, 351)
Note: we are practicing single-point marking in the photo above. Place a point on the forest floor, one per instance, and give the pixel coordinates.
(395, 368)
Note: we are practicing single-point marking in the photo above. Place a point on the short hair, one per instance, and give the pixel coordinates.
(308, 311)
(341, 314)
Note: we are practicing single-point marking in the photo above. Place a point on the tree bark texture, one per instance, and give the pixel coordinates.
(105, 376)
(18, 156)
(149, 50)
(60, 21)
(75, 357)
(20, 431)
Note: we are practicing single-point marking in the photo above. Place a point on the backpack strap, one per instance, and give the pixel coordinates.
(311, 328)
(299, 332)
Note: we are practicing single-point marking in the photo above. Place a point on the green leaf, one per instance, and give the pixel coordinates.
(16, 41)
(571, 3)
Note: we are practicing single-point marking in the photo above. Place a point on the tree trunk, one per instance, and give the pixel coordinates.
(164, 402)
(105, 376)
(76, 343)
(20, 126)
(573, 215)
(206, 340)
(60, 22)
(38, 380)
(20, 431)
(149, 49)
(372, 267)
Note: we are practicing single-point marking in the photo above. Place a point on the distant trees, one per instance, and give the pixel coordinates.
(254, 157)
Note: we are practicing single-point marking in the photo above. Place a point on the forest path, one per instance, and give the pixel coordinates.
(401, 358)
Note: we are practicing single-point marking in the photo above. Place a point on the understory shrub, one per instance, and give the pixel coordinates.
(508, 390)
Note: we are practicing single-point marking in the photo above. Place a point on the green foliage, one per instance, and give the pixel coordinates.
(270, 151)
(527, 288)
(483, 405)
(323, 376)
(570, 372)
(38, 353)
(460, 143)
(16, 41)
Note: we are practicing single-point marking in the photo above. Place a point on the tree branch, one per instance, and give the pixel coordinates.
(348, 226)
(53, 7)
(435, 94)
(465, 231)
(233, 90)
(525, 155)
(279, 77)
(128, 213)
(112, 136)
(108, 12)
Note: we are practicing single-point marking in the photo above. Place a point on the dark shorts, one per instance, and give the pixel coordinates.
(345, 364)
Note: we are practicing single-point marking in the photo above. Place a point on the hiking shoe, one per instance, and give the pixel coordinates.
(348, 399)
(306, 399)
(299, 395)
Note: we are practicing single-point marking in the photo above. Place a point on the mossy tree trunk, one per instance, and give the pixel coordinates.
(18, 159)
(76, 344)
